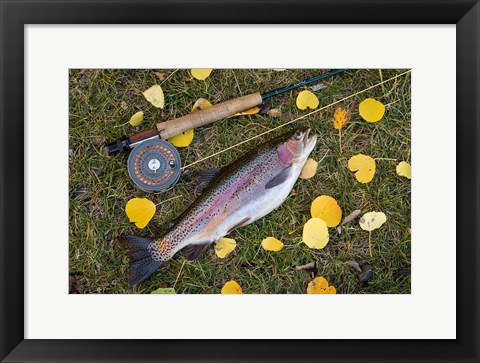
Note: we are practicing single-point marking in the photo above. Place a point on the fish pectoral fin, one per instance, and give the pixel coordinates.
(280, 178)
(205, 178)
(242, 223)
(193, 251)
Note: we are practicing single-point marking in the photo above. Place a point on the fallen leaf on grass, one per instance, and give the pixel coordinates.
(136, 119)
(364, 166)
(351, 216)
(272, 244)
(201, 73)
(315, 233)
(372, 220)
(320, 286)
(366, 274)
(355, 265)
(341, 117)
(231, 287)
(371, 110)
(224, 246)
(326, 208)
(307, 99)
(307, 266)
(309, 169)
(160, 76)
(404, 169)
(310, 268)
(275, 112)
(164, 290)
(140, 211)
(155, 96)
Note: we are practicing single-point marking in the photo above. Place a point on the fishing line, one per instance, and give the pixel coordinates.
(295, 120)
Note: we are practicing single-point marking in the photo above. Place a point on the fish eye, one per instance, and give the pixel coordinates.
(297, 135)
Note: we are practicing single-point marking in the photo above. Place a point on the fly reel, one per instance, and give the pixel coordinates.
(154, 165)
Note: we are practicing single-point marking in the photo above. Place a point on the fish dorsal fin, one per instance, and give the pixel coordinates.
(192, 252)
(280, 178)
(205, 178)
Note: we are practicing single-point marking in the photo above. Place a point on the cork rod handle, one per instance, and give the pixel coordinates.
(217, 112)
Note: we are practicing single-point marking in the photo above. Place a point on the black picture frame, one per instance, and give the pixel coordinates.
(16, 14)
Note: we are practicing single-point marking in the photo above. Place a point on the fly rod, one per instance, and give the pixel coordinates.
(167, 129)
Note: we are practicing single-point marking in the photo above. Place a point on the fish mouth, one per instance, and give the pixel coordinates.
(309, 141)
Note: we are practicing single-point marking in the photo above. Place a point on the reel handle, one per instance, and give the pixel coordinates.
(217, 112)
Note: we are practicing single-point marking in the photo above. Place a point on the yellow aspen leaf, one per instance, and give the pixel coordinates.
(201, 73)
(272, 244)
(250, 111)
(315, 233)
(364, 166)
(341, 117)
(371, 110)
(330, 290)
(224, 246)
(275, 112)
(372, 220)
(200, 104)
(327, 209)
(164, 291)
(307, 99)
(404, 169)
(140, 211)
(309, 169)
(160, 76)
(136, 119)
(320, 286)
(183, 139)
(231, 287)
(154, 95)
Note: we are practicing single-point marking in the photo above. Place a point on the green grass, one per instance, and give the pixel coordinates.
(101, 103)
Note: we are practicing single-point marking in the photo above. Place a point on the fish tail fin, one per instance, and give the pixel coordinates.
(142, 265)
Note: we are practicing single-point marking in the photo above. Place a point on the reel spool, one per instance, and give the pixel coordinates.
(154, 165)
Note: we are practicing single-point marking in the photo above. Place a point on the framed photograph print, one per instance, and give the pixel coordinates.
(239, 181)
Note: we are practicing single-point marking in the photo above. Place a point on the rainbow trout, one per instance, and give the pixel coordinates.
(241, 193)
